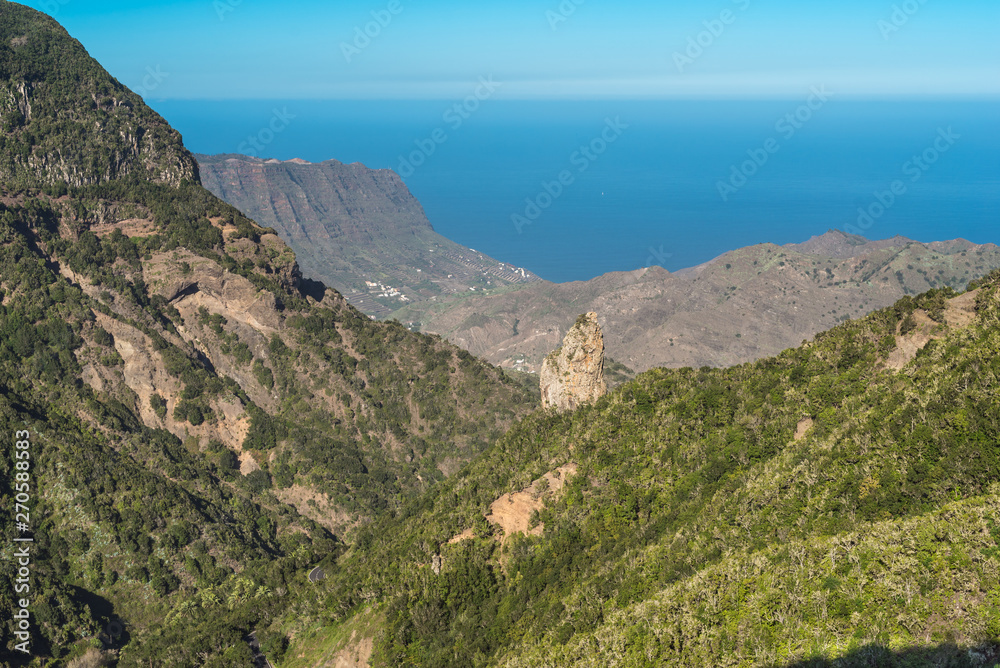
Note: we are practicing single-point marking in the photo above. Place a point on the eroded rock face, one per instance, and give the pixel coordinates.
(144, 373)
(573, 374)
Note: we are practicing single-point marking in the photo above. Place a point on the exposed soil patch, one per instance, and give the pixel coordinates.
(356, 655)
(449, 466)
(959, 312)
(465, 535)
(133, 227)
(909, 344)
(248, 464)
(804, 426)
(512, 512)
(316, 506)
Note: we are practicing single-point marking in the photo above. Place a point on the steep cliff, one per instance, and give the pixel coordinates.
(573, 374)
(357, 229)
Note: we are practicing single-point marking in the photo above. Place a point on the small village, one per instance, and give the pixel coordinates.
(386, 291)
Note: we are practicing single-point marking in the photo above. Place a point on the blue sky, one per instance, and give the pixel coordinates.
(434, 49)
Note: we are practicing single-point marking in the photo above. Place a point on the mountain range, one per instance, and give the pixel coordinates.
(742, 306)
(221, 462)
(363, 232)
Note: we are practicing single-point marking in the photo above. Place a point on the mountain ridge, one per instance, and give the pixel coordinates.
(50, 90)
(653, 317)
(357, 229)
(740, 306)
(840, 244)
(822, 507)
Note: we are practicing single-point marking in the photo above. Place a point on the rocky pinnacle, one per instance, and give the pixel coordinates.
(573, 374)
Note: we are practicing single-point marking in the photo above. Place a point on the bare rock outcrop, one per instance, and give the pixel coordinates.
(573, 374)
(144, 372)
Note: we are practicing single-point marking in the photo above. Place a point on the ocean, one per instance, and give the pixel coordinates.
(572, 190)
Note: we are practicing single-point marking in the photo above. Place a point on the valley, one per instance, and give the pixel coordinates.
(231, 463)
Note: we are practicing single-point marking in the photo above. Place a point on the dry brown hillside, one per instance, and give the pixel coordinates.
(739, 307)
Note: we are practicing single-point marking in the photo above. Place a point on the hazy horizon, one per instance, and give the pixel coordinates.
(554, 49)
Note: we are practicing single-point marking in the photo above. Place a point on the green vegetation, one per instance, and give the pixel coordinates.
(699, 531)
(616, 373)
(812, 509)
(119, 508)
(342, 418)
(63, 120)
(113, 280)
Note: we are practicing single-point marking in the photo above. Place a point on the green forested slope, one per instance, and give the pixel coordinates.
(64, 120)
(699, 531)
(205, 425)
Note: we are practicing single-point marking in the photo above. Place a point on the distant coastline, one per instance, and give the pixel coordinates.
(651, 197)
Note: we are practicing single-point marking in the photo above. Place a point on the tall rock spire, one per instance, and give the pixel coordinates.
(573, 374)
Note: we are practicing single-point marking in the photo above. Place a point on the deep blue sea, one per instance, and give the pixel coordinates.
(641, 179)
